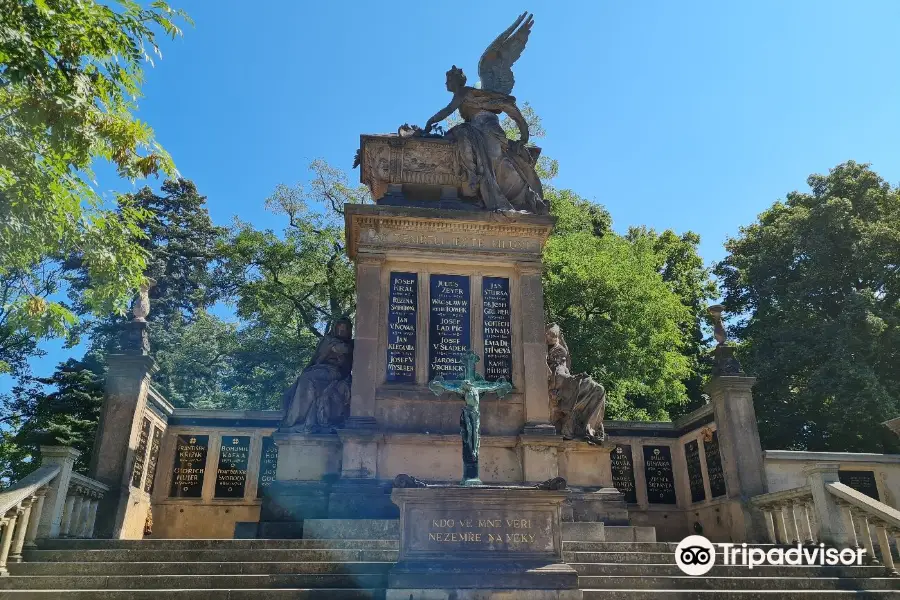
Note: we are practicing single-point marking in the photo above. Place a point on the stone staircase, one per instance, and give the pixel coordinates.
(342, 569)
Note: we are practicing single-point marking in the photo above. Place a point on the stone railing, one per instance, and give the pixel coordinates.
(825, 510)
(787, 515)
(861, 513)
(80, 511)
(50, 502)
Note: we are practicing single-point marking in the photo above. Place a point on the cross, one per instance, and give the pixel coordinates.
(470, 387)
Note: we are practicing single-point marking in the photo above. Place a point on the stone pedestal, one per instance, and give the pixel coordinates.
(480, 542)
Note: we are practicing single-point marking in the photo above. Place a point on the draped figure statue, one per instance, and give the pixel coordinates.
(319, 400)
(499, 171)
(577, 401)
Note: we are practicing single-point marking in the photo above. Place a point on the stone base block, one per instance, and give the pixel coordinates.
(606, 505)
(351, 529)
(482, 594)
(361, 499)
(279, 530)
(293, 501)
(489, 575)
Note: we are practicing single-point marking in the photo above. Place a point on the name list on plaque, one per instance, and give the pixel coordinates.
(497, 328)
(268, 465)
(714, 466)
(140, 453)
(153, 459)
(448, 332)
(694, 470)
(623, 472)
(231, 474)
(402, 310)
(658, 471)
(861, 481)
(190, 466)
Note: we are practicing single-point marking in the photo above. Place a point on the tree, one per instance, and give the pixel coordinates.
(680, 265)
(816, 284)
(622, 322)
(70, 71)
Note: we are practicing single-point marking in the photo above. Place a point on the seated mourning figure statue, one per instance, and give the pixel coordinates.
(577, 402)
(319, 400)
(498, 171)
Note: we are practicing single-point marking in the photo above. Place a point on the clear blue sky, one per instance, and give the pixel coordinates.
(682, 115)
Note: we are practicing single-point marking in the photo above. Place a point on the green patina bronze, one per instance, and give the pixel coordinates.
(470, 387)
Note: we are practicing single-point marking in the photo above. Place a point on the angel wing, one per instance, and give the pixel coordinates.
(495, 66)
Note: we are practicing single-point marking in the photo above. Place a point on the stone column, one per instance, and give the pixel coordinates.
(833, 527)
(37, 509)
(740, 449)
(534, 343)
(365, 344)
(18, 544)
(57, 490)
(127, 385)
(9, 526)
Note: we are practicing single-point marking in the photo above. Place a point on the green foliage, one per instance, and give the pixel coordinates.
(70, 71)
(622, 322)
(817, 282)
(66, 416)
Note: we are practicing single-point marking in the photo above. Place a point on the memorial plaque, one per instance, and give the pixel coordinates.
(153, 459)
(448, 332)
(268, 464)
(490, 531)
(231, 474)
(402, 313)
(140, 453)
(497, 320)
(861, 481)
(623, 472)
(714, 466)
(695, 471)
(190, 466)
(658, 471)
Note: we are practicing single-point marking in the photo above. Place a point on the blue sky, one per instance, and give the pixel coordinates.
(682, 115)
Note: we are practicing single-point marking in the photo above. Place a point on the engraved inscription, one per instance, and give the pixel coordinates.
(694, 470)
(190, 466)
(402, 311)
(448, 530)
(153, 459)
(714, 466)
(140, 454)
(497, 328)
(623, 472)
(268, 465)
(448, 334)
(658, 470)
(440, 240)
(231, 474)
(861, 481)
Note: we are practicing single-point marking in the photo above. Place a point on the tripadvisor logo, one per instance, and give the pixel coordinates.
(696, 555)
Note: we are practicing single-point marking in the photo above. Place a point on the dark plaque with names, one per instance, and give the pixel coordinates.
(714, 466)
(861, 481)
(448, 331)
(694, 470)
(402, 311)
(268, 464)
(153, 459)
(497, 328)
(231, 474)
(658, 471)
(190, 466)
(623, 472)
(140, 454)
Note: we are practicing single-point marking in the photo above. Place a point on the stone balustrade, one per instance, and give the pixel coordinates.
(828, 511)
(50, 502)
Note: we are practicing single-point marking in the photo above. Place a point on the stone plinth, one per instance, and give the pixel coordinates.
(495, 540)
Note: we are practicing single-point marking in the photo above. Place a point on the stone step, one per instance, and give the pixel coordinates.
(686, 582)
(216, 544)
(196, 568)
(134, 582)
(750, 594)
(618, 569)
(635, 558)
(619, 546)
(289, 555)
(182, 594)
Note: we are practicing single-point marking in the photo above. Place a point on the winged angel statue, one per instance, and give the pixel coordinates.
(499, 171)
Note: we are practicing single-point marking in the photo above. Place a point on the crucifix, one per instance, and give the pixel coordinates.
(470, 387)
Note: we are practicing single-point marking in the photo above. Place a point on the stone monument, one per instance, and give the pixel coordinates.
(448, 265)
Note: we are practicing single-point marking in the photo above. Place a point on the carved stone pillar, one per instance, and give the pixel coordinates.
(534, 341)
(57, 490)
(365, 345)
